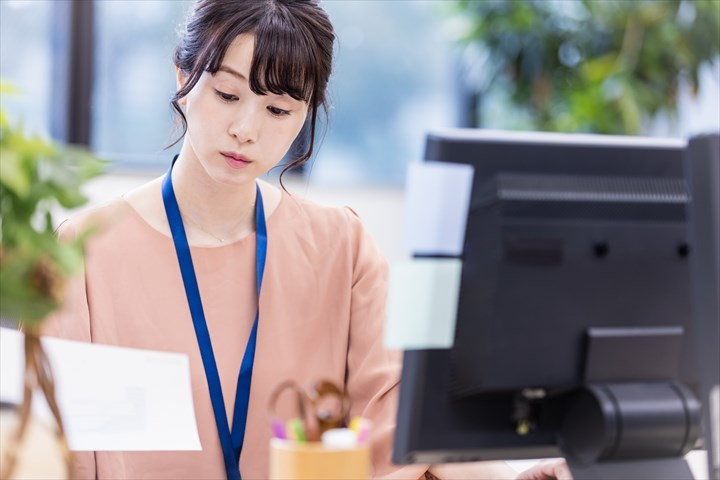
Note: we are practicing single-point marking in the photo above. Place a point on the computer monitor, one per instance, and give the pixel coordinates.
(703, 169)
(573, 333)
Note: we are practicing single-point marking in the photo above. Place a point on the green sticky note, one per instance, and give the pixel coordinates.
(422, 303)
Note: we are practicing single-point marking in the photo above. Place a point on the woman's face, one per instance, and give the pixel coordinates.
(234, 134)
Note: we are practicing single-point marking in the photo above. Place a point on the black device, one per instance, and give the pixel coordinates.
(573, 335)
(703, 169)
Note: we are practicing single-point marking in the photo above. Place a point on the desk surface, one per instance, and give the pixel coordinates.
(697, 460)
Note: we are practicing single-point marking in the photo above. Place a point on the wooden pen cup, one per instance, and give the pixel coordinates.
(290, 460)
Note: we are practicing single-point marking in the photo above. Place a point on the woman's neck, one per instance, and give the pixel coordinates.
(212, 212)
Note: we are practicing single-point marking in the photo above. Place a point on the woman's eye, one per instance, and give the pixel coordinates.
(278, 112)
(226, 97)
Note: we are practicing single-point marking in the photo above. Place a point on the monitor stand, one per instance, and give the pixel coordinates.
(639, 427)
(657, 469)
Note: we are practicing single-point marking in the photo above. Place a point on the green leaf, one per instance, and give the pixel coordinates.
(12, 175)
(598, 69)
(70, 198)
(35, 176)
(18, 299)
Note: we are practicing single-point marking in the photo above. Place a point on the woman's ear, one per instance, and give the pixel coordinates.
(180, 82)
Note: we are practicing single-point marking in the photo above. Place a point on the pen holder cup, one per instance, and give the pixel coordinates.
(291, 460)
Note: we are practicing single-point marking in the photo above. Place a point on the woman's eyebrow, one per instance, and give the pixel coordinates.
(235, 73)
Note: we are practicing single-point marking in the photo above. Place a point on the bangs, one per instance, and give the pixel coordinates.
(283, 61)
(289, 56)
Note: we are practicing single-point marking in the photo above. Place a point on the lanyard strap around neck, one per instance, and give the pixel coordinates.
(231, 441)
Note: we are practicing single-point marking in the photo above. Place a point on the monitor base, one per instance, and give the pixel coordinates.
(656, 468)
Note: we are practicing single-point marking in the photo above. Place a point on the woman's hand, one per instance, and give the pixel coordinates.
(495, 470)
(547, 470)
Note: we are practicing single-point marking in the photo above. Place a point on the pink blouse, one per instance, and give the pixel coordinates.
(321, 317)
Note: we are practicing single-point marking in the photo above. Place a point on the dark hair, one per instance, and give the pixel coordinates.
(293, 51)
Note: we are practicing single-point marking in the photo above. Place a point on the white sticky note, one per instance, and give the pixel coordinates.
(437, 199)
(110, 398)
(422, 303)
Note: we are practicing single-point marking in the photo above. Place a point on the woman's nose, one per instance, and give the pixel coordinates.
(245, 127)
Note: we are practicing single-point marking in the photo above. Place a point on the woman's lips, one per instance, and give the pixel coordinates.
(234, 160)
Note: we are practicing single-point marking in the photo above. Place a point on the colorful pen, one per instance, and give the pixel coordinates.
(295, 431)
(278, 429)
(361, 426)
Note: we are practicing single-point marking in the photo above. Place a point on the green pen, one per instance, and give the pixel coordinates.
(295, 430)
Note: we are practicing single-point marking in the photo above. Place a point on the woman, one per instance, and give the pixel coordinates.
(215, 263)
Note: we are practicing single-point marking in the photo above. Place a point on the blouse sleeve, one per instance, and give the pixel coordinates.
(373, 373)
(72, 322)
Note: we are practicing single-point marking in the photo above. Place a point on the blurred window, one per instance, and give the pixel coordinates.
(26, 55)
(134, 80)
(393, 80)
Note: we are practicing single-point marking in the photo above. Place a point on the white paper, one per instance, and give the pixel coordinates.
(422, 303)
(110, 398)
(437, 199)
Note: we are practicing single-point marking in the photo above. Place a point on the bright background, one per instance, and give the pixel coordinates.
(397, 75)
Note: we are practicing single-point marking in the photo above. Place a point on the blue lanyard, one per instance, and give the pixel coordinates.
(231, 441)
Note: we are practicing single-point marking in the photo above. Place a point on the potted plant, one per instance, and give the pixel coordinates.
(36, 177)
(586, 66)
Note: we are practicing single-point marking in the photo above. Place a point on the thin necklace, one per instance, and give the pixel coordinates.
(187, 218)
